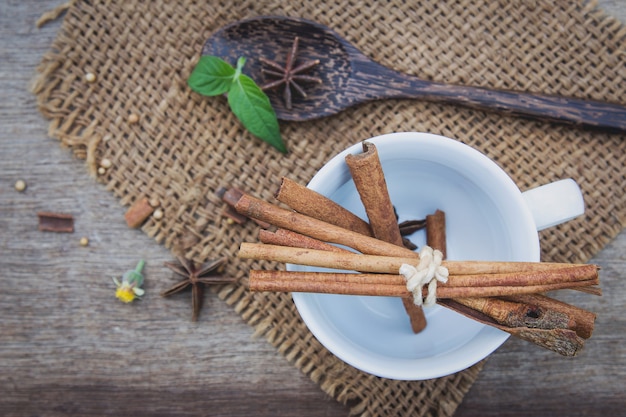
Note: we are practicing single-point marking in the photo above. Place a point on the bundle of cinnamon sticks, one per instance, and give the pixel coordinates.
(506, 295)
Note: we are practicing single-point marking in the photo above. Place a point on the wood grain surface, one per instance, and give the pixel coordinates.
(67, 347)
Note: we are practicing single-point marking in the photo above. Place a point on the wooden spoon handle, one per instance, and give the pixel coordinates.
(585, 113)
(377, 81)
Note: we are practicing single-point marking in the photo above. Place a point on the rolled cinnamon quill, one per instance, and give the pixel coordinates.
(313, 204)
(488, 273)
(283, 237)
(436, 232)
(382, 285)
(369, 180)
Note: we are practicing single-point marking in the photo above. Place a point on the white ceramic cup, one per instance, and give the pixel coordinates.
(487, 218)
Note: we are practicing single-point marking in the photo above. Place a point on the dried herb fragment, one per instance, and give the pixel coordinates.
(55, 222)
(196, 276)
(290, 75)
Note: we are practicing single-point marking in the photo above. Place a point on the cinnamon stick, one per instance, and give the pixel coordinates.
(380, 285)
(324, 259)
(307, 201)
(300, 223)
(436, 231)
(230, 196)
(567, 273)
(532, 273)
(503, 267)
(499, 291)
(518, 314)
(369, 180)
(584, 320)
(324, 283)
(408, 227)
(563, 341)
(284, 237)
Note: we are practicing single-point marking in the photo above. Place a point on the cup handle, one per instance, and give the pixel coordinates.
(555, 203)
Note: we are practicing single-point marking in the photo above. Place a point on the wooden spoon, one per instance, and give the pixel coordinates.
(349, 77)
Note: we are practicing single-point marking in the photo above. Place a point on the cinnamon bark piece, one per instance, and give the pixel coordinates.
(563, 341)
(138, 212)
(518, 314)
(307, 201)
(284, 237)
(529, 273)
(379, 285)
(436, 232)
(369, 179)
(584, 320)
(55, 222)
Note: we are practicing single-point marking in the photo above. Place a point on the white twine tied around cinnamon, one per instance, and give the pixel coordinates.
(428, 271)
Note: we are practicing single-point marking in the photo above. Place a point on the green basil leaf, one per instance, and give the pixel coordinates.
(253, 108)
(212, 76)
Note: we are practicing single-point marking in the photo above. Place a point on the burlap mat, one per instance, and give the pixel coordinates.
(185, 147)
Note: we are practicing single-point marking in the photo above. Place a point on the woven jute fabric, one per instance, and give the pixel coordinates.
(185, 147)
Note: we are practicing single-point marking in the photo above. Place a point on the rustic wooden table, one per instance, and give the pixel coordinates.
(67, 347)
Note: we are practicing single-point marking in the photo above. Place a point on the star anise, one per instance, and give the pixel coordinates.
(290, 75)
(196, 276)
(408, 227)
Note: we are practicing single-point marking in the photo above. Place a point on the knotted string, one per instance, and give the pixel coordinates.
(428, 271)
